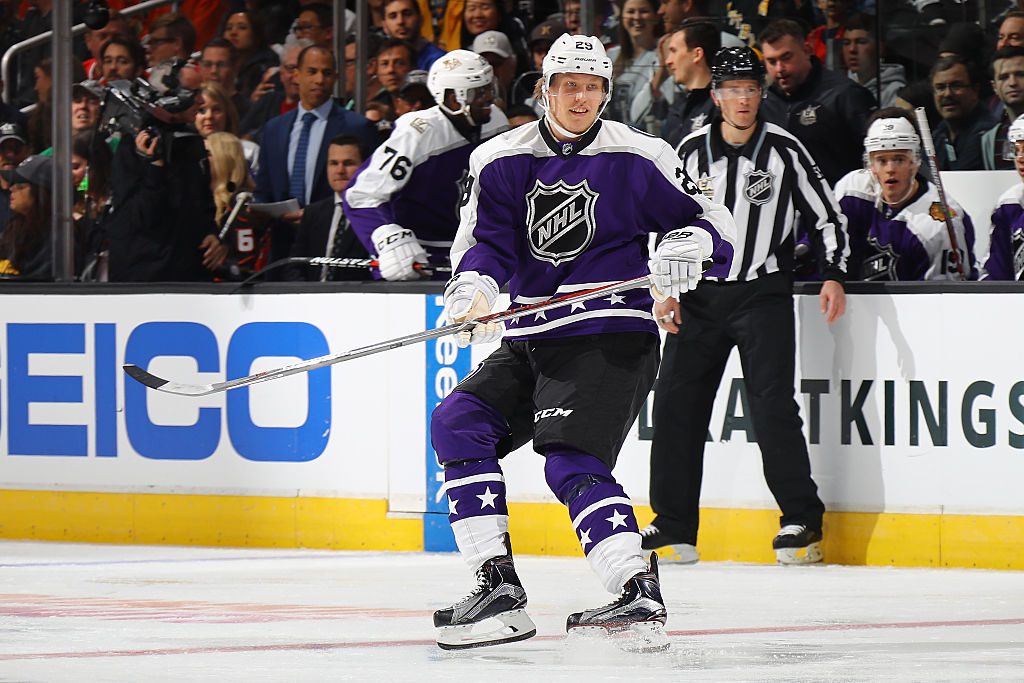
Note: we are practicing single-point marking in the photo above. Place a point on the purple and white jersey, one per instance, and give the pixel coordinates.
(413, 179)
(550, 218)
(911, 243)
(1005, 257)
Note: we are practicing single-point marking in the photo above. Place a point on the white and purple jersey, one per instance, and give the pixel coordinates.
(1005, 258)
(413, 179)
(909, 243)
(550, 218)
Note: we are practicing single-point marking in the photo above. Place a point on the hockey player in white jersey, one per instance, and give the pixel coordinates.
(403, 202)
(1005, 257)
(555, 206)
(896, 221)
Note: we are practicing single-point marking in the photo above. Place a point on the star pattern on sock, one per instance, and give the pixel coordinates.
(615, 298)
(580, 305)
(617, 519)
(451, 506)
(584, 538)
(540, 315)
(487, 498)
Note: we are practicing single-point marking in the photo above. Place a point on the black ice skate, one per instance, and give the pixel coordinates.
(638, 612)
(652, 538)
(796, 544)
(494, 613)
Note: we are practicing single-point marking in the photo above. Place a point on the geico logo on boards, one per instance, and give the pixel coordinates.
(551, 412)
(164, 428)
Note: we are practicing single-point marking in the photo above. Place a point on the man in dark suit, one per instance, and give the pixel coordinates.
(293, 150)
(324, 230)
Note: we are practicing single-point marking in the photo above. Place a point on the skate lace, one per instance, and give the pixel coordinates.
(481, 586)
(648, 530)
(792, 530)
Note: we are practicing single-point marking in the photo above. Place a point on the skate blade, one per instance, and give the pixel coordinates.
(642, 637)
(809, 555)
(507, 627)
(676, 554)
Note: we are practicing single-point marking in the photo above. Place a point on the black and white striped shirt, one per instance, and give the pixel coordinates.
(768, 184)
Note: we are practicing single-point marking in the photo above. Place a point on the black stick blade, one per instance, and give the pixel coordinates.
(143, 377)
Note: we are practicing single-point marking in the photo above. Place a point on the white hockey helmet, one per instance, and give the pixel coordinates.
(891, 134)
(1016, 132)
(461, 71)
(575, 55)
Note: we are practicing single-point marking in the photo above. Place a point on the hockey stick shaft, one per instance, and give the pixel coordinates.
(427, 270)
(167, 386)
(929, 150)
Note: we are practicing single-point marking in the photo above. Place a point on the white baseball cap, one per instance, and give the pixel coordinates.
(494, 42)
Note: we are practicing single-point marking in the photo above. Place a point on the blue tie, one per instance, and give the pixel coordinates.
(298, 181)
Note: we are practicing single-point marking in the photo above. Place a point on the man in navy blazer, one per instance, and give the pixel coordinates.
(304, 133)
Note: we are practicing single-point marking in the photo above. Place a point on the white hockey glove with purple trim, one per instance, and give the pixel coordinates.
(397, 252)
(677, 264)
(472, 295)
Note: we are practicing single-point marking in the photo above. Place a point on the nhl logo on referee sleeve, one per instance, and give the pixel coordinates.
(760, 187)
(560, 220)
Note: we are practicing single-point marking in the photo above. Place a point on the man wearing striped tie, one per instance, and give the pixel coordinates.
(293, 151)
(765, 177)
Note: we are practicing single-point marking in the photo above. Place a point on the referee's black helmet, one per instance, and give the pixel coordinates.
(736, 64)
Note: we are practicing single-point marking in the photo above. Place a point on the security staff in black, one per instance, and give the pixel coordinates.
(764, 176)
(826, 110)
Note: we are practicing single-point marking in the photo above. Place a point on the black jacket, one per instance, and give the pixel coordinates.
(828, 113)
(311, 240)
(159, 215)
(964, 153)
(689, 112)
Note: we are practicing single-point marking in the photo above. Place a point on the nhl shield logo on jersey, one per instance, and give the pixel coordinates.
(760, 187)
(560, 219)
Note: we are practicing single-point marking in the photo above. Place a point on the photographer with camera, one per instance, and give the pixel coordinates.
(161, 226)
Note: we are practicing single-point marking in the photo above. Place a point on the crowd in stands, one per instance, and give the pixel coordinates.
(186, 199)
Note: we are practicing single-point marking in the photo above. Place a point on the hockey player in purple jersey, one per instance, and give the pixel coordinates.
(896, 222)
(560, 205)
(403, 203)
(1005, 258)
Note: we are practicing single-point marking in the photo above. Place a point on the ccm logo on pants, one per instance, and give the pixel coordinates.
(551, 412)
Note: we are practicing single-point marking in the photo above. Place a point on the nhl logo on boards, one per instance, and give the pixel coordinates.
(809, 115)
(560, 220)
(760, 187)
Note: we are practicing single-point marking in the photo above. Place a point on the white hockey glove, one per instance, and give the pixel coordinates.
(677, 264)
(472, 295)
(397, 251)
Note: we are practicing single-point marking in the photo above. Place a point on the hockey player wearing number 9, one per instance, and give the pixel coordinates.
(555, 206)
(404, 201)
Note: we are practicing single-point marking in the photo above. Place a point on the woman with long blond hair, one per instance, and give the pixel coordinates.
(246, 237)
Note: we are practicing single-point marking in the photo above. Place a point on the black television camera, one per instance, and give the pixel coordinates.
(130, 107)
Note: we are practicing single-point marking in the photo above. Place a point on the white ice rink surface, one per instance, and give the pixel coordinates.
(117, 613)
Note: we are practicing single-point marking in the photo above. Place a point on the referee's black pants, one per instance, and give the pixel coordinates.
(757, 317)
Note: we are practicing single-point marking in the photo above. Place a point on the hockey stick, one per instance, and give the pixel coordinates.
(331, 262)
(160, 384)
(929, 150)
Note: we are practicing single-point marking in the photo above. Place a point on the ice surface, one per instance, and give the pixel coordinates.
(118, 613)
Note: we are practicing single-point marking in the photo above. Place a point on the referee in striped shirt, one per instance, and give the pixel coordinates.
(765, 177)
